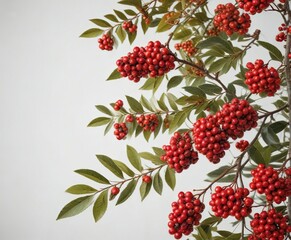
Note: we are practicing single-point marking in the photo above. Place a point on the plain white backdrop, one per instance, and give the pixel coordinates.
(50, 81)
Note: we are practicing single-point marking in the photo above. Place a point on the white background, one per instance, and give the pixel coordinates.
(50, 81)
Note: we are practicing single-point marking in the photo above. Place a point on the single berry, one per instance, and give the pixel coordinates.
(115, 190)
(146, 179)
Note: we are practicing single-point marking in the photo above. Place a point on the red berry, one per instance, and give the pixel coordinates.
(146, 179)
(115, 190)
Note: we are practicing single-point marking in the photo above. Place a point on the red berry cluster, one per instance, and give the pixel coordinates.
(231, 202)
(120, 130)
(187, 47)
(129, 118)
(209, 138)
(228, 19)
(154, 60)
(118, 105)
(106, 42)
(282, 35)
(242, 145)
(186, 213)
(180, 153)
(288, 181)
(260, 78)
(254, 6)
(269, 225)
(129, 26)
(148, 122)
(237, 117)
(266, 181)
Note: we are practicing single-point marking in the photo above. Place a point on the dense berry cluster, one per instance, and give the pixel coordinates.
(269, 225)
(129, 118)
(209, 138)
(180, 153)
(260, 78)
(129, 26)
(188, 47)
(254, 6)
(120, 130)
(231, 202)
(266, 181)
(237, 117)
(148, 122)
(153, 60)
(106, 42)
(288, 181)
(282, 35)
(186, 213)
(118, 105)
(228, 19)
(242, 145)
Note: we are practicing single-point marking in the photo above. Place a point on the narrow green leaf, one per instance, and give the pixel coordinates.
(158, 151)
(100, 205)
(146, 103)
(114, 75)
(174, 82)
(218, 65)
(124, 168)
(178, 120)
(210, 89)
(76, 207)
(210, 221)
(91, 174)
(157, 83)
(91, 33)
(121, 34)
(217, 172)
(104, 109)
(135, 3)
(110, 165)
(127, 192)
(111, 17)
(81, 189)
(164, 25)
(148, 85)
(170, 178)
(280, 157)
(151, 157)
(162, 104)
(182, 34)
(130, 12)
(202, 233)
(134, 105)
(134, 158)
(275, 53)
(278, 126)
(108, 127)
(100, 121)
(158, 183)
(144, 189)
(255, 152)
(195, 91)
(269, 136)
(216, 41)
(172, 101)
(100, 22)
(147, 135)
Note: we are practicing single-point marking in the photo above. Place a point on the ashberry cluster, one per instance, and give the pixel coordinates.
(129, 118)
(242, 145)
(118, 105)
(106, 42)
(237, 117)
(266, 181)
(231, 202)
(120, 130)
(260, 78)
(254, 6)
(186, 213)
(228, 19)
(188, 47)
(180, 153)
(148, 122)
(282, 35)
(209, 138)
(288, 181)
(129, 26)
(154, 60)
(269, 225)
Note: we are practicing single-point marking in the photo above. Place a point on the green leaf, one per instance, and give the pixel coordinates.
(131, 36)
(210, 89)
(151, 157)
(144, 189)
(100, 22)
(183, 33)
(164, 25)
(121, 33)
(174, 82)
(218, 65)
(110, 165)
(130, 12)
(202, 233)
(75, 207)
(216, 41)
(134, 158)
(172, 101)
(111, 17)
(158, 151)
(134, 105)
(146, 103)
(157, 83)
(275, 53)
(99, 122)
(148, 85)
(114, 75)
(135, 3)
(170, 177)
(210, 221)
(108, 127)
(269, 136)
(91, 33)
(195, 91)
(158, 183)
(104, 109)
(80, 189)
(217, 172)
(178, 120)
(278, 126)
(255, 152)
(100, 205)
(280, 157)
(162, 104)
(127, 192)
(91, 174)
(124, 168)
